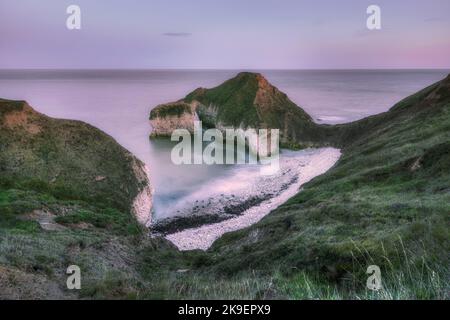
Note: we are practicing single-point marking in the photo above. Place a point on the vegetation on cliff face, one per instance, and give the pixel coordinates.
(171, 109)
(250, 101)
(66, 193)
(69, 160)
(386, 202)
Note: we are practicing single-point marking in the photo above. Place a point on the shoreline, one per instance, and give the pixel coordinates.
(305, 167)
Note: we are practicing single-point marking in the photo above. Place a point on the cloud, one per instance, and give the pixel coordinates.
(177, 34)
(435, 19)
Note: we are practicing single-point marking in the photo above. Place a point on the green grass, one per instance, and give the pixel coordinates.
(107, 246)
(408, 279)
(110, 219)
(15, 202)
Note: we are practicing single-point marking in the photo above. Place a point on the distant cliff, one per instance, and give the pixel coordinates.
(71, 160)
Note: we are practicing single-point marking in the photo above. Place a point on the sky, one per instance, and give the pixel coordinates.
(224, 34)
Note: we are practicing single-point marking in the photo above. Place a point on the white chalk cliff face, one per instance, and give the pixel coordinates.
(166, 118)
(142, 203)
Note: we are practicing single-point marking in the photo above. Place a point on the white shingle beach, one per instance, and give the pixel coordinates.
(305, 165)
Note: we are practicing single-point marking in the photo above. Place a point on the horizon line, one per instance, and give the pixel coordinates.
(224, 69)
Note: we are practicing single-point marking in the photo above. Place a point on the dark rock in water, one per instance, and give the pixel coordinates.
(238, 209)
(177, 224)
(70, 160)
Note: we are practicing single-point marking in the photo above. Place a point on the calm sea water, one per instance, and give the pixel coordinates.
(118, 102)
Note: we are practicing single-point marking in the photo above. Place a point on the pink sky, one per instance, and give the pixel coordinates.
(225, 34)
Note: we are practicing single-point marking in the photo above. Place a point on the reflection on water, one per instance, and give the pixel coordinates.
(174, 182)
(180, 185)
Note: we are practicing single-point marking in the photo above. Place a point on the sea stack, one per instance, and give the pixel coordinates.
(166, 118)
(246, 101)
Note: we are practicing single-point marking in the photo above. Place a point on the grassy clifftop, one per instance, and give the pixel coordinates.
(67, 159)
(67, 196)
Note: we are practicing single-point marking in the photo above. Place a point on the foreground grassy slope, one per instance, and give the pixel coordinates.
(386, 200)
(66, 197)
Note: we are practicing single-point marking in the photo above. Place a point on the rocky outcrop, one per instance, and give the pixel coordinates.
(245, 101)
(70, 160)
(166, 118)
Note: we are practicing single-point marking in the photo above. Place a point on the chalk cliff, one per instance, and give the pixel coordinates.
(168, 117)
